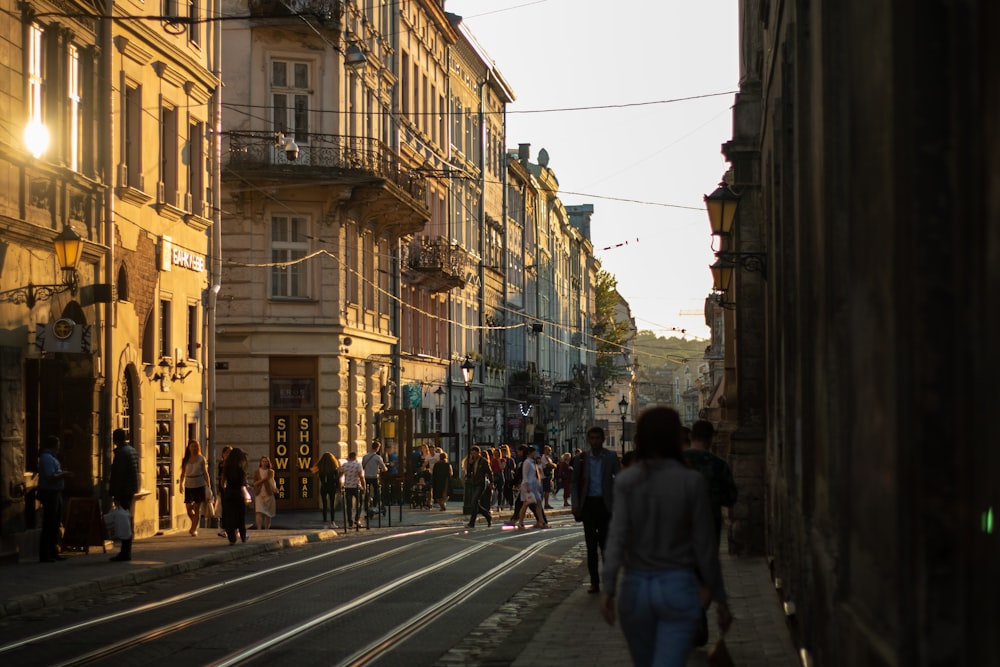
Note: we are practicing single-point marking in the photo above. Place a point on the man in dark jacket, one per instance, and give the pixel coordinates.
(592, 490)
(124, 482)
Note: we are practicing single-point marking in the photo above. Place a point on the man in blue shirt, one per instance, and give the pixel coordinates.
(51, 482)
(592, 487)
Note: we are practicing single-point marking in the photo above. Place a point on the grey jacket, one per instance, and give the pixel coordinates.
(662, 521)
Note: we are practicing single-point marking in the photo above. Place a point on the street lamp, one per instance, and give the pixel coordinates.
(439, 401)
(68, 246)
(623, 409)
(468, 373)
(722, 205)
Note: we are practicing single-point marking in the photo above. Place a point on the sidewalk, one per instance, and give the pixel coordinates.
(570, 633)
(575, 634)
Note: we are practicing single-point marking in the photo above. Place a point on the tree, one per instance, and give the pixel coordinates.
(610, 335)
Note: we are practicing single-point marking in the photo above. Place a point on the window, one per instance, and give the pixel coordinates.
(290, 96)
(404, 85)
(384, 277)
(196, 169)
(36, 78)
(168, 155)
(351, 292)
(74, 109)
(165, 340)
(133, 137)
(194, 27)
(288, 245)
(456, 129)
(192, 332)
(368, 270)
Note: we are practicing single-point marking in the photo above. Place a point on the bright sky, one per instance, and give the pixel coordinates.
(645, 167)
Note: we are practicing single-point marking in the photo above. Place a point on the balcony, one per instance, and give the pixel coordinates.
(435, 263)
(383, 192)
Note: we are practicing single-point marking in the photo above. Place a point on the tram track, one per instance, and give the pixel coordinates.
(135, 642)
(59, 633)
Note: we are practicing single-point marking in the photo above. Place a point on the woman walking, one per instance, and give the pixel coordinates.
(264, 492)
(234, 477)
(194, 481)
(661, 535)
(531, 491)
(441, 475)
(329, 484)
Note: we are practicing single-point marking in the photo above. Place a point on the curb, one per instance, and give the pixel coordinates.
(64, 594)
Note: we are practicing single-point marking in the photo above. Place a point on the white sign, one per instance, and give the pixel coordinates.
(171, 255)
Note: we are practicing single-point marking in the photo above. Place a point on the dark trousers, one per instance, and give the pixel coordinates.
(52, 509)
(596, 519)
(352, 502)
(476, 492)
(327, 494)
(126, 504)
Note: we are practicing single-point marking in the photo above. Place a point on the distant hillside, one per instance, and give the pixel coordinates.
(654, 351)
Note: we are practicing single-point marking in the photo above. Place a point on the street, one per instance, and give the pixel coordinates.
(405, 597)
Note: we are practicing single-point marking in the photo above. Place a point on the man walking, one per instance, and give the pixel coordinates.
(354, 484)
(51, 482)
(124, 483)
(718, 474)
(594, 474)
(477, 472)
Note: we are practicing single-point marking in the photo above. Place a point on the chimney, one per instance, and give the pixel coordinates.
(523, 152)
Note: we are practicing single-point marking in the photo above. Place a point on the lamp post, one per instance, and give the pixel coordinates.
(623, 409)
(68, 247)
(468, 373)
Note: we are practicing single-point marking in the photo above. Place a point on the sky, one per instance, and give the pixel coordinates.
(646, 163)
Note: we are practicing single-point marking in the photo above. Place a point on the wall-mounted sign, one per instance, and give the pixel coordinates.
(63, 335)
(171, 256)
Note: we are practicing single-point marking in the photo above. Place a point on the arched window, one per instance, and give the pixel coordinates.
(122, 283)
(148, 339)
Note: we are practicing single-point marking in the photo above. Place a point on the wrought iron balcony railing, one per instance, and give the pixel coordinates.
(357, 157)
(436, 263)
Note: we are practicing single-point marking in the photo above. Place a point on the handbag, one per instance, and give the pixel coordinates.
(210, 509)
(247, 495)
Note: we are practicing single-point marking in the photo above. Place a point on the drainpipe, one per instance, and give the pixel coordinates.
(215, 249)
(107, 420)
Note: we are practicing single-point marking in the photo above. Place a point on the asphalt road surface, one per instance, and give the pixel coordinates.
(408, 597)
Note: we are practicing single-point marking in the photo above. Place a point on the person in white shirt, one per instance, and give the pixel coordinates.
(373, 466)
(354, 484)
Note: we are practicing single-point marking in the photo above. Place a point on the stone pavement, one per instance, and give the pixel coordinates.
(563, 624)
(575, 633)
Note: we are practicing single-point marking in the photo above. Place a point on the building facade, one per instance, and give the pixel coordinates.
(869, 199)
(118, 113)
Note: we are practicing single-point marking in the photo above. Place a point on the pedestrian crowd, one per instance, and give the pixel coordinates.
(651, 521)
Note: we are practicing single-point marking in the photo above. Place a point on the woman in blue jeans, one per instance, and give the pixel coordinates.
(661, 536)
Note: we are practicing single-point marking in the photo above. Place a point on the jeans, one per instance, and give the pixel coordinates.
(659, 612)
(327, 494)
(52, 510)
(352, 502)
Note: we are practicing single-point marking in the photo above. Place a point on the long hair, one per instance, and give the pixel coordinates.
(192, 452)
(327, 464)
(658, 434)
(235, 467)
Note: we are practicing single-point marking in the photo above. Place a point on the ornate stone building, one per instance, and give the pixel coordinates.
(115, 116)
